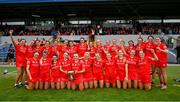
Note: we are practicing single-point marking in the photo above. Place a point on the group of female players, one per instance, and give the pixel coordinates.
(92, 65)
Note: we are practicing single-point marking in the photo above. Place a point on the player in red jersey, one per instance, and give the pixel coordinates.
(114, 48)
(161, 51)
(64, 68)
(91, 49)
(63, 48)
(110, 71)
(99, 48)
(78, 73)
(98, 69)
(140, 46)
(48, 48)
(39, 48)
(132, 69)
(144, 79)
(44, 74)
(55, 48)
(55, 73)
(72, 49)
(130, 47)
(82, 47)
(148, 47)
(106, 48)
(30, 50)
(122, 70)
(88, 74)
(33, 72)
(20, 59)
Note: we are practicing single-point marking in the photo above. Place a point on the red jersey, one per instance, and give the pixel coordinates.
(162, 56)
(63, 48)
(99, 49)
(82, 48)
(87, 65)
(55, 72)
(20, 53)
(113, 50)
(98, 66)
(109, 66)
(54, 49)
(66, 64)
(49, 50)
(139, 47)
(92, 51)
(76, 66)
(148, 48)
(120, 64)
(39, 49)
(34, 65)
(132, 68)
(72, 50)
(129, 49)
(29, 52)
(144, 65)
(45, 65)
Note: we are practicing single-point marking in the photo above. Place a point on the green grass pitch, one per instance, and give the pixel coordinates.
(9, 93)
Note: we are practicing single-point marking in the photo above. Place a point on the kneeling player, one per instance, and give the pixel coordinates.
(78, 73)
(144, 78)
(55, 73)
(33, 71)
(98, 68)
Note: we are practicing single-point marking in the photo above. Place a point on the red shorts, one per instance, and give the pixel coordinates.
(34, 78)
(132, 75)
(110, 77)
(144, 78)
(152, 62)
(21, 64)
(161, 64)
(55, 77)
(88, 77)
(64, 77)
(98, 76)
(78, 78)
(120, 75)
(44, 77)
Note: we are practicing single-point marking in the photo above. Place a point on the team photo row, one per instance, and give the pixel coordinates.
(44, 64)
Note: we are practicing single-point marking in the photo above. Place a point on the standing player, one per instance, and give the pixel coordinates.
(48, 48)
(91, 49)
(110, 71)
(78, 73)
(114, 48)
(55, 73)
(64, 68)
(88, 74)
(150, 45)
(140, 46)
(55, 48)
(63, 48)
(161, 51)
(99, 49)
(122, 70)
(132, 69)
(130, 47)
(82, 47)
(39, 48)
(20, 59)
(144, 78)
(98, 70)
(72, 49)
(44, 74)
(33, 72)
